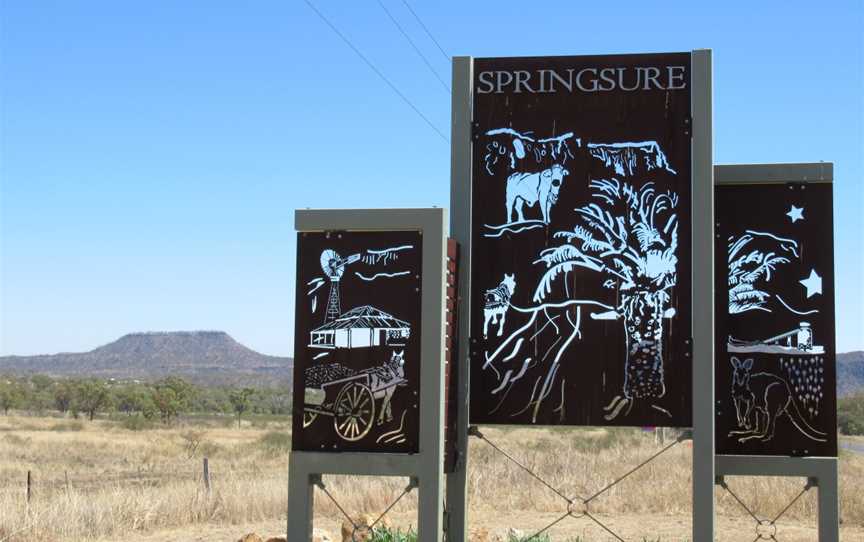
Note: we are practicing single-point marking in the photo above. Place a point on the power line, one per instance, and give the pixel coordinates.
(413, 45)
(376, 70)
(426, 30)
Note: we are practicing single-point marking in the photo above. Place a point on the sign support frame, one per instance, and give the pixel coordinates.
(823, 471)
(461, 151)
(701, 110)
(426, 467)
(702, 212)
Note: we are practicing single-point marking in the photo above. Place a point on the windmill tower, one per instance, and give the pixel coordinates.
(333, 266)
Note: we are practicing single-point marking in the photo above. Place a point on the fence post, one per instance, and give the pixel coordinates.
(29, 486)
(207, 475)
(66, 476)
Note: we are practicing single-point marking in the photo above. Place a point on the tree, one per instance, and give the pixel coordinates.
(279, 402)
(850, 414)
(11, 395)
(240, 401)
(752, 258)
(132, 398)
(171, 396)
(92, 396)
(631, 237)
(64, 394)
(41, 382)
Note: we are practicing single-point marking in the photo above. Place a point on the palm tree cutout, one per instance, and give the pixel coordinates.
(631, 236)
(752, 258)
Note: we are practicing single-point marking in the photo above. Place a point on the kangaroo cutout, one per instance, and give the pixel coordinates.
(761, 398)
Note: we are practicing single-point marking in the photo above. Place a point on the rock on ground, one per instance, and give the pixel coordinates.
(515, 534)
(363, 530)
(479, 534)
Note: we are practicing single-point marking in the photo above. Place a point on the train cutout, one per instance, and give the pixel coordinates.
(802, 337)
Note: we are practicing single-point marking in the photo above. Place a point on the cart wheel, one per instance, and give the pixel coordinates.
(308, 418)
(354, 411)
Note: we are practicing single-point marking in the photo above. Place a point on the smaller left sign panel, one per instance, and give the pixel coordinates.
(357, 342)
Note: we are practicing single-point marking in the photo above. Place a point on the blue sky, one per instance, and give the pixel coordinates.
(152, 153)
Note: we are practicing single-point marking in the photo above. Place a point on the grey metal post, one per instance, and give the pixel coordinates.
(426, 466)
(821, 469)
(430, 512)
(829, 503)
(701, 111)
(460, 226)
(301, 502)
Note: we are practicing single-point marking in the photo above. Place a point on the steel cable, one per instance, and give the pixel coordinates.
(474, 431)
(482, 437)
(759, 521)
(634, 469)
(788, 506)
(425, 29)
(370, 527)
(376, 70)
(725, 486)
(413, 45)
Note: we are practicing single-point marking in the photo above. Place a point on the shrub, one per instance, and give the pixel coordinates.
(136, 423)
(383, 534)
(514, 537)
(210, 449)
(192, 440)
(850, 414)
(70, 426)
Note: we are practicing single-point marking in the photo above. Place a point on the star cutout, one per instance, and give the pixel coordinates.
(813, 283)
(796, 213)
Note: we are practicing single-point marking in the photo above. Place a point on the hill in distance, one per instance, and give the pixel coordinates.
(214, 357)
(850, 373)
(206, 357)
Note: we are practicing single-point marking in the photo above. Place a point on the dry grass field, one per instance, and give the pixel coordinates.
(146, 485)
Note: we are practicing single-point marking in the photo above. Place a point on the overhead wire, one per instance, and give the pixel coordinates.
(376, 70)
(425, 29)
(413, 46)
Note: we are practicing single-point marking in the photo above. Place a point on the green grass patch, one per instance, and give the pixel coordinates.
(383, 534)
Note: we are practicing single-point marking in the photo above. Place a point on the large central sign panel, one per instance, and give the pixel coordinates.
(776, 365)
(581, 236)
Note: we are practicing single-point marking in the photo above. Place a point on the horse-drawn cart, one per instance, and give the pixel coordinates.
(353, 408)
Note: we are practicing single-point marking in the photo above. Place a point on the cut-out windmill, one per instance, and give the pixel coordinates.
(333, 266)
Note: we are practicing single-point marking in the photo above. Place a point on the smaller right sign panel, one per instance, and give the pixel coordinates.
(775, 374)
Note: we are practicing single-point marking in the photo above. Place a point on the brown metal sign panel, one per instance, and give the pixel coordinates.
(775, 375)
(357, 342)
(581, 271)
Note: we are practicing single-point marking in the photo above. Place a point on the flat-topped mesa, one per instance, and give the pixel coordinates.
(629, 159)
(190, 344)
(203, 356)
(202, 333)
